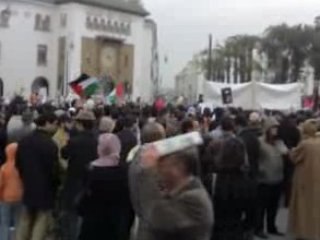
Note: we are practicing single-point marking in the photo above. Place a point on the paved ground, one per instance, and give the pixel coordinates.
(282, 225)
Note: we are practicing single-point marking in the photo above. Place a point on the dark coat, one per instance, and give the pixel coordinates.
(106, 205)
(128, 141)
(80, 151)
(36, 161)
(250, 138)
(233, 200)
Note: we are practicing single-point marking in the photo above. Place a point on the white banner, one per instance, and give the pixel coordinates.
(256, 95)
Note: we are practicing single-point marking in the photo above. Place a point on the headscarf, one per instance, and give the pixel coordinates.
(109, 148)
(309, 128)
(106, 125)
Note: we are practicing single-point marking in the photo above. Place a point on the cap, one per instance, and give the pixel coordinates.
(85, 115)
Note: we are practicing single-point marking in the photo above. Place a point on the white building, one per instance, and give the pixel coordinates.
(44, 44)
(189, 84)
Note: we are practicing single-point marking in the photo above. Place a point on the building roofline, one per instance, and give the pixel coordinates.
(138, 11)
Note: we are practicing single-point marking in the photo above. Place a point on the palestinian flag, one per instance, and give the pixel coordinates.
(116, 94)
(85, 86)
(112, 97)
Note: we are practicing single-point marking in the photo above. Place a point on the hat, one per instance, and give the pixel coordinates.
(270, 123)
(255, 117)
(85, 115)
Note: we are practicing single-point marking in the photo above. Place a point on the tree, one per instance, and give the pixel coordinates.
(288, 48)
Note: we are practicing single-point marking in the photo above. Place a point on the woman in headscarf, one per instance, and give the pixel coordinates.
(304, 218)
(105, 204)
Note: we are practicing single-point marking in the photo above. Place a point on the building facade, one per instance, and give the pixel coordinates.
(189, 84)
(44, 44)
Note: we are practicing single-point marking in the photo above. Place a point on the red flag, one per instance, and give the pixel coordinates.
(120, 90)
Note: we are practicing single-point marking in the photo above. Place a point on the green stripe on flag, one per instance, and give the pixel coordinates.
(112, 98)
(89, 86)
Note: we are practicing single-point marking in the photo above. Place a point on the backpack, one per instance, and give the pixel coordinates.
(11, 189)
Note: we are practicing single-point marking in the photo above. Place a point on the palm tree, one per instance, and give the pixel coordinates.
(276, 44)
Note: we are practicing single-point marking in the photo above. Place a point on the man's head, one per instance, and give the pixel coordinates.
(187, 126)
(227, 124)
(129, 121)
(190, 125)
(65, 122)
(152, 132)
(27, 117)
(85, 120)
(47, 122)
(255, 119)
(176, 168)
(240, 122)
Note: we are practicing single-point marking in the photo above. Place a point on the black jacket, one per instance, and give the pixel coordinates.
(250, 138)
(106, 206)
(80, 151)
(128, 141)
(36, 161)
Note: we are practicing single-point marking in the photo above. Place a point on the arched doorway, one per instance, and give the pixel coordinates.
(1, 87)
(40, 86)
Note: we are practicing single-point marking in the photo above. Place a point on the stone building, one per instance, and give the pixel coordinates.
(44, 44)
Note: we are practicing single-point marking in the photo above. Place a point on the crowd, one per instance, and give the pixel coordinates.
(92, 172)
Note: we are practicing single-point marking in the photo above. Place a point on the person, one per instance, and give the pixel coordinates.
(139, 189)
(79, 152)
(36, 161)
(189, 125)
(11, 191)
(106, 125)
(62, 136)
(105, 209)
(127, 137)
(250, 134)
(304, 213)
(290, 135)
(20, 126)
(225, 130)
(179, 208)
(270, 177)
(232, 194)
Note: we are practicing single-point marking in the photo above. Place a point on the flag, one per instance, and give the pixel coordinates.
(112, 97)
(85, 85)
(116, 94)
(120, 90)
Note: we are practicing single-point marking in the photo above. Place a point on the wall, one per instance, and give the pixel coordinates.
(140, 38)
(18, 66)
(18, 63)
(190, 86)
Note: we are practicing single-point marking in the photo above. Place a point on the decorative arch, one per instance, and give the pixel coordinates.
(40, 84)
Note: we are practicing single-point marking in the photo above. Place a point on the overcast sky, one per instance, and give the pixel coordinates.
(184, 25)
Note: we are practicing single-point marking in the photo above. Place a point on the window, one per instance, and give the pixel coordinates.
(38, 24)
(4, 18)
(42, 55)
(42, 23)
(95, 23)
(46, 24)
